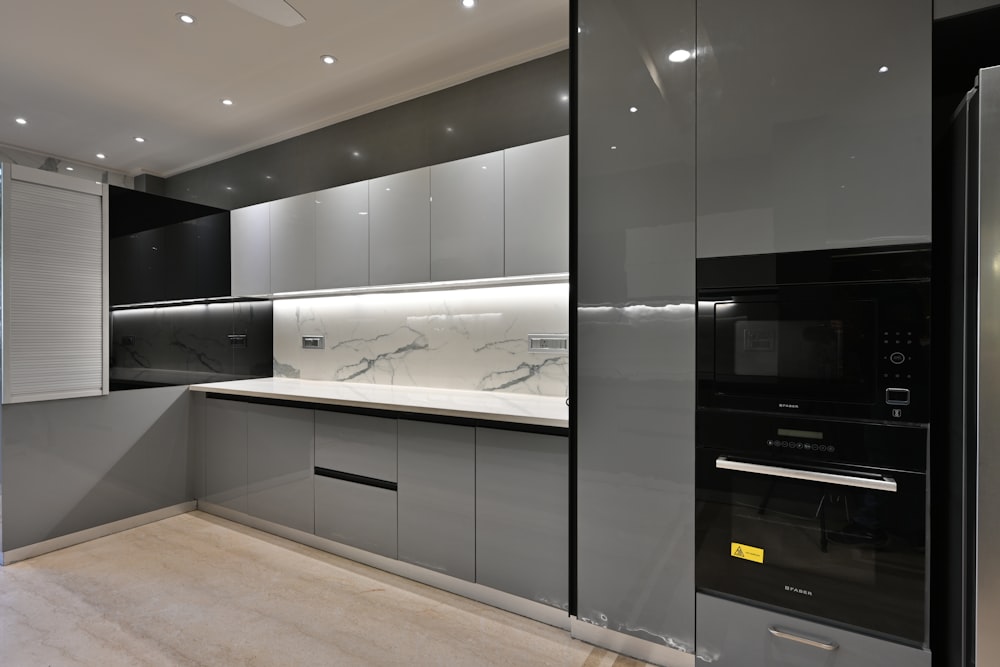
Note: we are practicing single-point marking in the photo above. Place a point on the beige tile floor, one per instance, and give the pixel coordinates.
(199, 590)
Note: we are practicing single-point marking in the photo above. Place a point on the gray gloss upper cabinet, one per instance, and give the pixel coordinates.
(814, 129)
(399, 226)
(467, 218)
(342, 236)
(536, 208)
(293, 243)
(250, 250)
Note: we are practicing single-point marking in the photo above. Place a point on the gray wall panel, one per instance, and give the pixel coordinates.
(634, 393)
(515, 106)
(75, 464)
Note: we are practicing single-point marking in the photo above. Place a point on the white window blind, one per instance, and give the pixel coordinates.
(54, 311)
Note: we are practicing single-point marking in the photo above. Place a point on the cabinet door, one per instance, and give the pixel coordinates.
(226, 454)
(814, 131)
(355, 514)
(437, 496)
(280, 465)
(467, 218)
(522, 514)
(356, 444)
(293, 243)
(400, 228)
(536, 208)
(732, 634)
(342, 236)
(250, 250)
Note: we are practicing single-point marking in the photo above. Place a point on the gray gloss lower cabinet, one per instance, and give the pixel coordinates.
(522, 514)
(355, 514)
(737, 635)
(437, 495)
(280, 465)
(226, 454)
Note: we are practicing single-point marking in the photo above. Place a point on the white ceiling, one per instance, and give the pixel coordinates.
(90, 75)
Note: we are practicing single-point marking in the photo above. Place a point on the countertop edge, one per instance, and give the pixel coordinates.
(377, 405)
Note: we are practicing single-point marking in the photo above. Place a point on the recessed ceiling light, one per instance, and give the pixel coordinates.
(139, 140)
(69, 168)
(679, 56)
(362, 212)
(229, 187)
(468, 4)
(883, 69)
(185, 18)
(101, 156)
(614, 148)
(328, 59)
(356, 154)
(226, 101)
(20, 121)
(633, 109)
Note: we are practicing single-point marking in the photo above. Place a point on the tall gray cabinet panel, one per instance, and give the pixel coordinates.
(342, 236)
(226, 454)
(634, 396)
(293, 243)
(536, 208)
(737, 635)
(399, 222)
(250, 250)
(814, 129)
(467, 218)
(280, 465)
(437, 497)
(522, 514)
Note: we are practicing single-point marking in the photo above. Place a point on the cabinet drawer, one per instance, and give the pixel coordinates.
(356, 444)
(355, 514)
(730, 633)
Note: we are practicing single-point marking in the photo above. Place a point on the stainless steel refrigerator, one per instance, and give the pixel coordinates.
(972, 443)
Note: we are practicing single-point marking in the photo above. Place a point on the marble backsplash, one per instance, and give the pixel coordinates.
(474, 338)
(184, 344)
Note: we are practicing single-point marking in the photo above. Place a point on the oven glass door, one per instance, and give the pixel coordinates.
(797, 347)
(839, 543)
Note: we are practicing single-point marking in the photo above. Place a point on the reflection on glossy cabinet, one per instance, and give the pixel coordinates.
(731, 634)
(399, 228)
(250, 250)
(355, 514)
(293, 243)
(804, 144)
(467, 218)
(280, 465)
(437, 497)
(226, 454)
(536, 208)
(522, 514)
(342, 236)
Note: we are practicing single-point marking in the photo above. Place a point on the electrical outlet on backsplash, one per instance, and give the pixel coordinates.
(475, 338)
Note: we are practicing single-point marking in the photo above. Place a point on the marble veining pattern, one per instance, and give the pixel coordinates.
(198, 590)
(475, 339)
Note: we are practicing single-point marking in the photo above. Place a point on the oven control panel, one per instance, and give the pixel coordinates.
(901, 366)
(801, 446)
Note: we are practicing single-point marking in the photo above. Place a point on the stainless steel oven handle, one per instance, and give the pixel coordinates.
(816, 643)
(884, 484)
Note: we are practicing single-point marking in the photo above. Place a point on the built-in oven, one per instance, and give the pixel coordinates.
(822, 518)
(841, 333)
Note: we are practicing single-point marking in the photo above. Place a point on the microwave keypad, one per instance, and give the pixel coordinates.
(897, 354)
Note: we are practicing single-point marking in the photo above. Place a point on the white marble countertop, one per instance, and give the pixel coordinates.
(492, 406)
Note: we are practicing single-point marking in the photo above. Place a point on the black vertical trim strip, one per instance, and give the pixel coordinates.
(574, 22)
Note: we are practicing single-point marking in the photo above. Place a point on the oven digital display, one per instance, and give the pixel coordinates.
(796, 433)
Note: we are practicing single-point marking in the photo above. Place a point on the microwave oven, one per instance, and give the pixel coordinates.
(837, 333)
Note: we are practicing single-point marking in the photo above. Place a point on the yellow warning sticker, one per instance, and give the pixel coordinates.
(747, 552)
